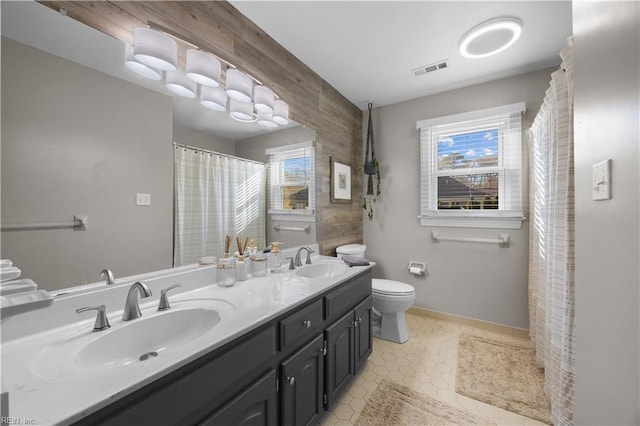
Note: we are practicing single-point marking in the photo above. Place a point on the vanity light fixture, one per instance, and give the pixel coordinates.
(280, 112)
(214, 98)
(239, 85)
(266, 120)
(263, 99)
(139, 67)
(203, 68)
(179, 84)
(490, 37)
(155, 49)
(241, 111)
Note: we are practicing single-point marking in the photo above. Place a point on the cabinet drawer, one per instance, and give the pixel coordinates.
(301, 325)
(344, 298)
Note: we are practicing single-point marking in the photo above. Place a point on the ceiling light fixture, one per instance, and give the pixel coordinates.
(155, 49)
(490, 37)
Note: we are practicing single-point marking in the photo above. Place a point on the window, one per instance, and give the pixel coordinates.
(291, 179)
(471, 169)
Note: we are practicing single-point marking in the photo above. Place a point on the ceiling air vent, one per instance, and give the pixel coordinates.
(426, 69)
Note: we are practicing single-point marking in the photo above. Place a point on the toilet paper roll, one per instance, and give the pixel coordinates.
(415, 270)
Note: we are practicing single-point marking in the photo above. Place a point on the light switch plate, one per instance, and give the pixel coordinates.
(602, 181)
(143, 199)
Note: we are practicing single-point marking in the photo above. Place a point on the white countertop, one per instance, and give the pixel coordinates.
(49, 391)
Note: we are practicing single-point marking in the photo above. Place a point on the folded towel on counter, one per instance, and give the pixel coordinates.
(17, 286)
(354, 260)
(9, 273)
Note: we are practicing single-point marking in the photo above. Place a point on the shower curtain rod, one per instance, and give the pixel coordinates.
(220, 154)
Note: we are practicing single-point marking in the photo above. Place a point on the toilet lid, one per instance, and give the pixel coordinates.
(391, 287)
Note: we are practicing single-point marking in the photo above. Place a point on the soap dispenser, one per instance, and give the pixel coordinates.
(275, 258)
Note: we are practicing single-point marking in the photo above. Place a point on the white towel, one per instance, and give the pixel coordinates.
(9, 273)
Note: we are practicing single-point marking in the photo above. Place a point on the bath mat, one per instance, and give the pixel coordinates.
(502, 374)
(395, 404)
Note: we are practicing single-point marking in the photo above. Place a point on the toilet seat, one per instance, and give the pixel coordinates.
(391, 288)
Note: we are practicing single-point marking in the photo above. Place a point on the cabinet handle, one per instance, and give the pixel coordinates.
(291, 380)
(359, 320)
(307, 323)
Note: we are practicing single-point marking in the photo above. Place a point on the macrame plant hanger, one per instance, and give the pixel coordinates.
(369, 164)
(371, 167)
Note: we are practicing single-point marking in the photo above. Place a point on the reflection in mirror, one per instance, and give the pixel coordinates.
(84, 135)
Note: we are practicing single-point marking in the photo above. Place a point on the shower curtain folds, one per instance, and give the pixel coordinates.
(551, 241)
(215, 195)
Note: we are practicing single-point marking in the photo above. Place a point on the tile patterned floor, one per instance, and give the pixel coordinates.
(427, 364)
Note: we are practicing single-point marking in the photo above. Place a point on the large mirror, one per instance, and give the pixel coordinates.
(82, 135)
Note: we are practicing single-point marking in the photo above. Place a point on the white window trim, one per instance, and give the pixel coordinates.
(308, 215)
(500, 219)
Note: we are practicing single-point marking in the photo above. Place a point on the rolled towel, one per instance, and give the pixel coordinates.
(354, 260)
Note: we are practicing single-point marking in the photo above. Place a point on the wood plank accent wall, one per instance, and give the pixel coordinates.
(220, 28)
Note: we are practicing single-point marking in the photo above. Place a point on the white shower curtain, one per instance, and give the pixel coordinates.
(215, 195)
(551, 241)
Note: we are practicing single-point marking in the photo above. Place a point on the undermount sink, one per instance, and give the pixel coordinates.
(324, 269)
(145, 338)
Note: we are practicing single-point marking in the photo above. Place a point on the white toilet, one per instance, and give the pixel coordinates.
(390, 301)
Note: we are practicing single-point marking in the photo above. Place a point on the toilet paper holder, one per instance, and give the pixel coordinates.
(417, 268)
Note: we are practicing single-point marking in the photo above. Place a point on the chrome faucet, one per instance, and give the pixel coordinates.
(131, 308)
(297, 261)
(107, 275)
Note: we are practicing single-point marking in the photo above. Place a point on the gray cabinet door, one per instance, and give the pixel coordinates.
(302, 381)
(363, 338)
(255, 406)
(340, 368)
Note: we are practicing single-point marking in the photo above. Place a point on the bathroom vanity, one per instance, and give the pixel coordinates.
(273, 350)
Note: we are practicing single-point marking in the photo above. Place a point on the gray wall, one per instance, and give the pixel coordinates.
(479, 281)
(606, 37)
(75, 140)
(254, 148)
(186, 136)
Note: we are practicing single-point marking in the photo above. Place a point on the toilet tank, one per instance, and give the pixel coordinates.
(351, 249)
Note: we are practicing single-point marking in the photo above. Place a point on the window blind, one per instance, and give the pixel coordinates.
(471, 168)
(292, 179)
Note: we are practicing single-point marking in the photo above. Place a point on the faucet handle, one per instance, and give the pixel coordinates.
(102, 323)
(164, 300)
(292, 266)
(309, 256)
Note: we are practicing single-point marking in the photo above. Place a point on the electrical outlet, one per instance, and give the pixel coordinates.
(143, 199)
(601, 181)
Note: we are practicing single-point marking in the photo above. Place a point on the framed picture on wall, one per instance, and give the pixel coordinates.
(340, 182)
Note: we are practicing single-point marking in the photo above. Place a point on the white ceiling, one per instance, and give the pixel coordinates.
(367, 49)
